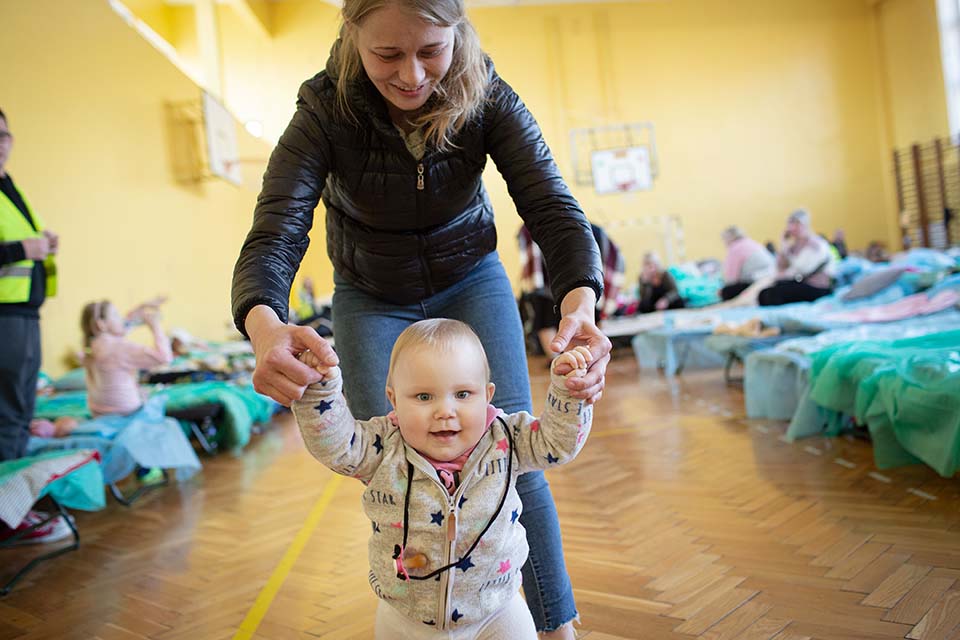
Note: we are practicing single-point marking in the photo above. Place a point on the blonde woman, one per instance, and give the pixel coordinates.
(394, 136)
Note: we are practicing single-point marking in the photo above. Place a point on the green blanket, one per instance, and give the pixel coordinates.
(907, 392)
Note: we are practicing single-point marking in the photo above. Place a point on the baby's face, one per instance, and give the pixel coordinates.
(441, 397)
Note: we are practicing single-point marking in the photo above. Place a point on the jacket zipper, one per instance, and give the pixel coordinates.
(424, 267)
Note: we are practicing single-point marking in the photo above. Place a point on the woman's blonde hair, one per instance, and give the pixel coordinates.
(93, 313)
(459, 95)
(440, 333)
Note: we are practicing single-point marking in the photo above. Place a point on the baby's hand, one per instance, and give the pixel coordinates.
(573, 363)
(311, 360)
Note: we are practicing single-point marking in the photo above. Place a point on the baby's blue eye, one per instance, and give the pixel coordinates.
(423, 397)
(463, 395)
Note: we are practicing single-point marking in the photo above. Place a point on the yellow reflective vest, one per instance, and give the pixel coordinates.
(15, 276)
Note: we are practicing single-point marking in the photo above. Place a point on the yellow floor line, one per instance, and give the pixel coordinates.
(250, 624)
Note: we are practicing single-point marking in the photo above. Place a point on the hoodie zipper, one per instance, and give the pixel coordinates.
(420, 177)
(446, 578)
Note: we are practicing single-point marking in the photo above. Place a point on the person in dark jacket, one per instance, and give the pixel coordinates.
(27, 277)
(658, 289)
(394, 136)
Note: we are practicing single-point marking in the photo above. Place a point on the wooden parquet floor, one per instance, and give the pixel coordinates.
(681, 519)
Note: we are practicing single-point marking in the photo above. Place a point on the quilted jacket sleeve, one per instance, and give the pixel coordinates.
(556, 222)
(291, 190)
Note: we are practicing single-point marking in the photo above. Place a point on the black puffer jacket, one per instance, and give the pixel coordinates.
(389, 233)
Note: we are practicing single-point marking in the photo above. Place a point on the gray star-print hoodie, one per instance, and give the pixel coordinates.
(443, 560)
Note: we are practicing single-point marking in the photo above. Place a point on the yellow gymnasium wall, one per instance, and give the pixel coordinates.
(86, 99)
(759, 107)
(913, 73)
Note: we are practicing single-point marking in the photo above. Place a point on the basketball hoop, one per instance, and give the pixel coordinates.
(601, 155)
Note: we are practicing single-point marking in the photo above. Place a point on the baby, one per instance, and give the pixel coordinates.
(446, 545)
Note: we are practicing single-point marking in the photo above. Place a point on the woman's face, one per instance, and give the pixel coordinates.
(650, 270)
(112, 322)
(404, 56)
(6, 143)
(796, 229)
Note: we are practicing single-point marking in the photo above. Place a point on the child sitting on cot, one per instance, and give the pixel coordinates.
(446, 548)
(113, 362)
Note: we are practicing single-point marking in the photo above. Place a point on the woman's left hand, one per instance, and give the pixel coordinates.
(578, 327)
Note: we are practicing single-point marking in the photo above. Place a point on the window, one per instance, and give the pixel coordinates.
(949, 13)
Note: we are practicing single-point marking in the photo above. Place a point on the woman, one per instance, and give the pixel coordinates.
(658, 289)
(805, 265)
(746, 262)
(394, 135)
(27, 277)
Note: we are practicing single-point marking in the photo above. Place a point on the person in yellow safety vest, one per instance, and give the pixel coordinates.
(27, 276)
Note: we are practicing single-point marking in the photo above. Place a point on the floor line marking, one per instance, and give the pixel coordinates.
(922, 494)
(265, 598)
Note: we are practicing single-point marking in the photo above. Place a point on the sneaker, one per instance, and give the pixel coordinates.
(153, 475)
(34, 516)
(51, 531)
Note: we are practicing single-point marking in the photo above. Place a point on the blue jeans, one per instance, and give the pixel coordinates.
(365, 329)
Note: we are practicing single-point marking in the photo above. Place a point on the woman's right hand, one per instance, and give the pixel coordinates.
(279, 374)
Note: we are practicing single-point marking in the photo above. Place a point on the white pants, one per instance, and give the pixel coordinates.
(512, 622)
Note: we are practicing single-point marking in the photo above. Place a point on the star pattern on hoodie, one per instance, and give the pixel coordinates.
(514, 515)
(437, 518)
(378, 444)
(465, 564)
(324, 406)
(551, 459)
(462, 500)
(504, 566)
(502, 444)
(456, 615)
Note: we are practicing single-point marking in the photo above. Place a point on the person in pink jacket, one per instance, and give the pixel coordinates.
(113, 362)
(746, 262)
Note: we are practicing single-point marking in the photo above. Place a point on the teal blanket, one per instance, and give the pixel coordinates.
(242, 407)
(907, 392)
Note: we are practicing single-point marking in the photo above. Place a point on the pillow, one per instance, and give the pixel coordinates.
(873, 283)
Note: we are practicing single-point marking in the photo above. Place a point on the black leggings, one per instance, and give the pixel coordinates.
(733, 289)
(787, 291)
